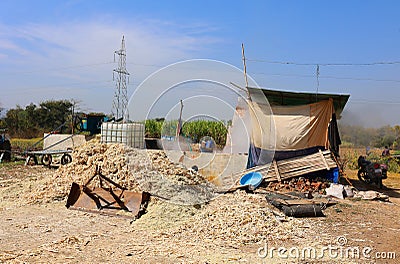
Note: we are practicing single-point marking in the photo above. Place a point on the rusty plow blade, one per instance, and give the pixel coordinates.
(115, 200)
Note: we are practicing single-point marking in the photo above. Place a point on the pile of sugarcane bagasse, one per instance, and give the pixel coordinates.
(238, 217)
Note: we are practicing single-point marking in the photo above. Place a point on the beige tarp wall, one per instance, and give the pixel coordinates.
(238, 137)
(295, 127)
(62, 143)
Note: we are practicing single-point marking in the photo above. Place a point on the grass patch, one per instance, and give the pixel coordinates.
(21, 144)
(344, 205)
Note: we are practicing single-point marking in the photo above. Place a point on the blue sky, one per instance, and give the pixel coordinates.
(64, 49)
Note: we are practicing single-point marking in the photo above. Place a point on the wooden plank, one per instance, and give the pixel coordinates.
(300, 162)
(293, 167)
(279, 200)
(324, 160)
(308, 201)
(278, 175)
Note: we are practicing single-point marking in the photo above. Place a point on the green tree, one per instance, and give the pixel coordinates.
(53, 114)
(34, 120)
(378, 137)
(396, 142)
(13, 122)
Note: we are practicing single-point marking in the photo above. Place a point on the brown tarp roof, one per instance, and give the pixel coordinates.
(301, 98)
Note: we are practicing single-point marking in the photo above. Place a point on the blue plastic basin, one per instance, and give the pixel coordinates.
(251, 178)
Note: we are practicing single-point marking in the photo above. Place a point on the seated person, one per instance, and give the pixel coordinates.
(386, 151)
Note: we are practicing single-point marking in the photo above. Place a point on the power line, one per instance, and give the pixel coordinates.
(147, 65)
(80, 66)
(326, 77)
(52, 87)
(59, 68)
(365, 101)
(325, 64)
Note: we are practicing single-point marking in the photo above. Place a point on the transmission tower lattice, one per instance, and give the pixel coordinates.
(120, 102)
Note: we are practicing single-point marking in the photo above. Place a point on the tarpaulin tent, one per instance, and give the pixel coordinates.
(290, 124)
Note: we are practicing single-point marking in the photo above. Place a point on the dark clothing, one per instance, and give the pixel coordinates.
(385, 152)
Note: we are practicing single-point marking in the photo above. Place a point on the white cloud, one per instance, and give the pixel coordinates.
(46, 55)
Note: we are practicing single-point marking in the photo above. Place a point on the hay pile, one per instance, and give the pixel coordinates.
(233, 219)
(238, 218)
(128, 167)
(109, 157)
(171, 181)
(174, 172)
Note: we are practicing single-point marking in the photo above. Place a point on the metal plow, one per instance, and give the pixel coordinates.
(110, 198)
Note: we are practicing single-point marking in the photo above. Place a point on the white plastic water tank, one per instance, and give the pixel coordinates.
(130, 134)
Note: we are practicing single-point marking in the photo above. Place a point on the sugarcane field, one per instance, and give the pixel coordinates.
(199, 132)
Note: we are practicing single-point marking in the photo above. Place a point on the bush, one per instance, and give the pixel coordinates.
(393, 164)
(153, 128)
(349, 157)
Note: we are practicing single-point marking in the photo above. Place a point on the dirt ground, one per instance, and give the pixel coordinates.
(47, 232)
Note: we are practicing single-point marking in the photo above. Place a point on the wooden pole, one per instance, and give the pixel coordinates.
(73, 117)
(178, 130)
(244, 66)
(245, 72)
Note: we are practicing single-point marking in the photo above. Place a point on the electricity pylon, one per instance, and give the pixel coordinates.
(120, 102)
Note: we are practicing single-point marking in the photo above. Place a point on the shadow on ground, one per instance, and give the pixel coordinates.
(362, 186)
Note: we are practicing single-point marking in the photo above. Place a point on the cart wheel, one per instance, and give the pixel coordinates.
(31, 160)
(65, 159)
(46, 159)
(379, 183)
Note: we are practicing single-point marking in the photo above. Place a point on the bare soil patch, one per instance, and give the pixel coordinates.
(36, 227)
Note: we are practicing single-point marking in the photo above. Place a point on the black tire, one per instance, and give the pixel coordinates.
(46, 160)
(31, 160)
(65, 159)
(361, 175)
(379, 183)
